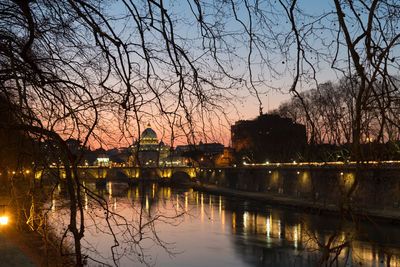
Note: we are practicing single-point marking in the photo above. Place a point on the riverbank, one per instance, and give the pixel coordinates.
(10, 253)
(387, 214)
(23, 247)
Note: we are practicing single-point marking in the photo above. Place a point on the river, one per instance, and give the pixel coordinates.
(163, 226)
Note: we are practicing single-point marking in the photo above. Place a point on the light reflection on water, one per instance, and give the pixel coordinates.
(198, 229)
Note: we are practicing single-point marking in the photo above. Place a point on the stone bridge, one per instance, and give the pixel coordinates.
(378, 186)
(130, 173)
(297, 179)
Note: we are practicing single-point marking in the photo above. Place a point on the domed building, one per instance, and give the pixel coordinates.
(148, 151)
(148, 139)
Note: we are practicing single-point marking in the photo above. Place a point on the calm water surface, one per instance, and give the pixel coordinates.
(163, 226)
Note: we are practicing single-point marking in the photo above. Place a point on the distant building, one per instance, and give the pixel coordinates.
(102, 161)
(205, 148)
(211, 148)
(181, 149)
(122, 157)
(203, 154)
(226, 159)
(174, 160)
(268, 138)
(148, 151)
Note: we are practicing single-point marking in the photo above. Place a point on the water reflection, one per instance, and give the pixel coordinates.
(194, 226)
(293, 238)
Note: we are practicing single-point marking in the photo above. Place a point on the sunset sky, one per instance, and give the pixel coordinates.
(273, 88)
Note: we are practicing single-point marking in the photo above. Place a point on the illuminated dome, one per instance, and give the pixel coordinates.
(148, 137)
(148, 152)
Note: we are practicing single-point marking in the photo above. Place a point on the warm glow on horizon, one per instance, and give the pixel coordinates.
(213, 132)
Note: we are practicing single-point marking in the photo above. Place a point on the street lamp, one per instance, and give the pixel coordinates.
(3, 220)
(3, 216)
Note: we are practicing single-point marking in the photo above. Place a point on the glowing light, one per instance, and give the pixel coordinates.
(233, 222)
(279, 229)
(245, 221)
(27, 171)
(103, 161)
(53, 204)
(110, 190)
(223, 219)
(3, 220)
(268, 226)
(348, 180)
(220, 204)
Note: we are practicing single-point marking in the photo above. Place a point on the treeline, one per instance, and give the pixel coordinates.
(328, 112)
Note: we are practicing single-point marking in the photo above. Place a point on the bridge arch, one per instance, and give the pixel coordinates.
(180, 176)
(149, 174)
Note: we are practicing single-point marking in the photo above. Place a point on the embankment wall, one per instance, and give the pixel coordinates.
(378, 187)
